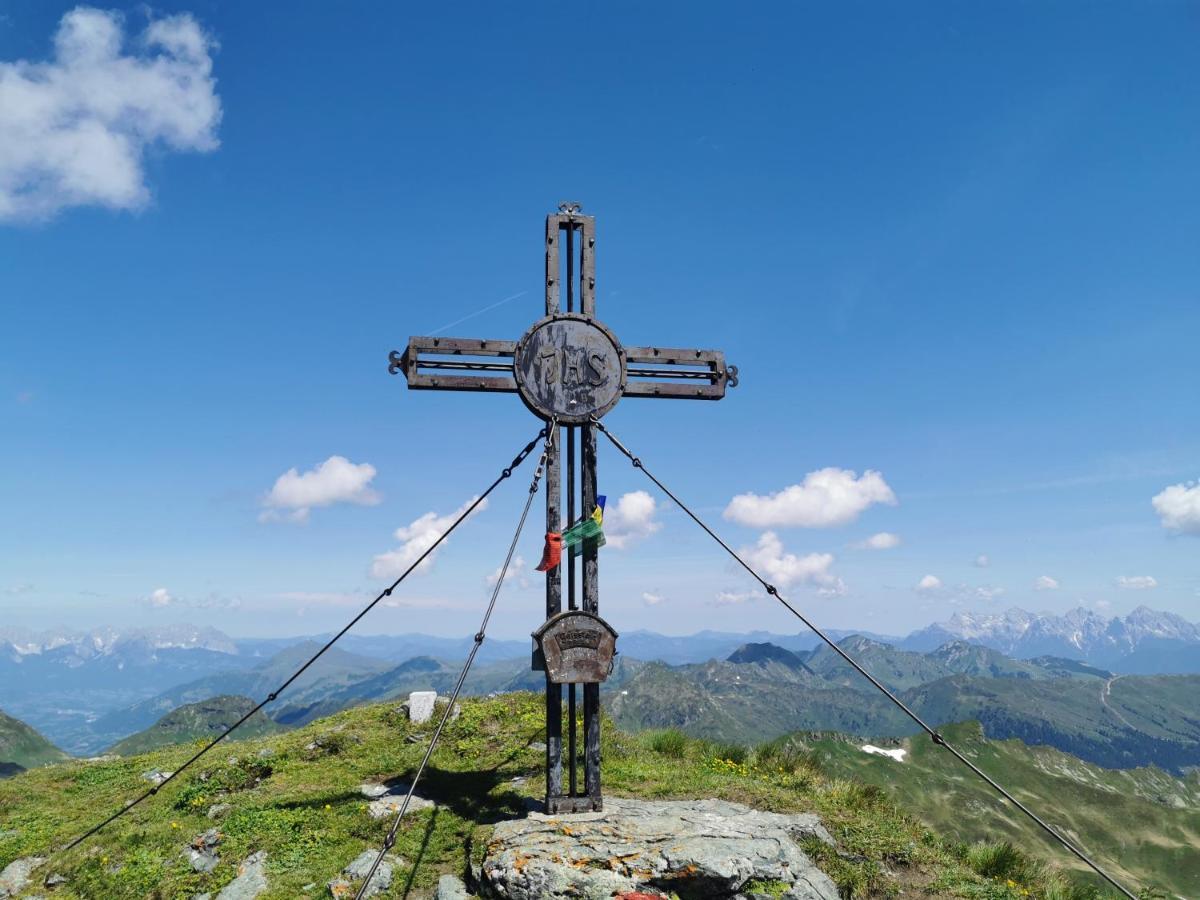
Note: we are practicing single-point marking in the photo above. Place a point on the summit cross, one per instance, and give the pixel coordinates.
(570, 370)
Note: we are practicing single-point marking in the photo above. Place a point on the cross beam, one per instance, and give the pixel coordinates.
(666, 372)
(568, 367)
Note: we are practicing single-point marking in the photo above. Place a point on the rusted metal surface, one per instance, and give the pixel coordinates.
(569, 366)
(553, 608)
(693, 374)
(427, 358)
(578, 647)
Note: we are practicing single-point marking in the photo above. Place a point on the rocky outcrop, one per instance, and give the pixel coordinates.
(201, 854)
(386, 799)
(17, 874)
(356, 871)
(694, 848)
(251, 879)
(451, 887)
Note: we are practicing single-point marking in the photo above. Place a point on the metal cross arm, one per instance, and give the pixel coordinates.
(471, 364)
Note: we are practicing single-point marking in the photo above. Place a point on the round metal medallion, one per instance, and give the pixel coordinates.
(569, 366)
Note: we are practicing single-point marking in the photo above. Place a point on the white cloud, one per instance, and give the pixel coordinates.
(516, 572)
(73, 130)
(1179, 507)
(984, 592)
(787, 569)
(651, 599)
(884, 540)
(395, 602)
(1137, 582)
(733, 598)
(630, 520)
(929, 583)
(982, 561)
(324, 598)
(415, 538)
(826, 497)
(160, 597)
(337, 480)
(1045, 583)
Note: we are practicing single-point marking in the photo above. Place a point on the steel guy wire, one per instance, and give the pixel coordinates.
(933, 734)
(386, 592)
(390, 840)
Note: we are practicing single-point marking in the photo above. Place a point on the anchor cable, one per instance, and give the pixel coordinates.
(386, 592)
(390, 840)
(933, 734)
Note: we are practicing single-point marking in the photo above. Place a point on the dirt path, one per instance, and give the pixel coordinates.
(1104, 692)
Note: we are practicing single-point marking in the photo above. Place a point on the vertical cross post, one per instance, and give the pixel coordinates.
(570, 244)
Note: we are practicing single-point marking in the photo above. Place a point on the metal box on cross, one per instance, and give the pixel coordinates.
(569, 369)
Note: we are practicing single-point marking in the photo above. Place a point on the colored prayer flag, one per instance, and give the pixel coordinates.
(552, 552)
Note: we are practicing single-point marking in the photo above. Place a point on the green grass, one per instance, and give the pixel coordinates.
(1143, 825)
(301, 804)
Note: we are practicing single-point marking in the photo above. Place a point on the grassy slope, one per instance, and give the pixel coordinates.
(1143, 823)
(198, 721)
(22, 747)
(304, 808)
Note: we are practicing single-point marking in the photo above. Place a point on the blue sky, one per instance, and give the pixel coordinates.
(953, 245)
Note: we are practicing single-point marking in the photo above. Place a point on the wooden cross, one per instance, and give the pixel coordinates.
(569, 368)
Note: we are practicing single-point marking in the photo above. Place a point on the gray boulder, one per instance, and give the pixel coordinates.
(451, 887)
(16, 875)
(709, 848)
(202, 853)
(251, 879)
(386, 799)
(358, 869)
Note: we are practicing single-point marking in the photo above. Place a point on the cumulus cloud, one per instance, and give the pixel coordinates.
(825, 498)
(516, 572)
(415, 538)
(630, 519)
(733, 598)
(337, 480)
(984, 592)
(929, 583)
(982, 561)
(160, 597)
(74, 130)
(652, 599)
(1179, 507)
(787, 569)
(1045, 583)
(1137, 582)
(884, 540)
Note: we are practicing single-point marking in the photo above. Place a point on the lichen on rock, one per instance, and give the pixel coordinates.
(710, 848)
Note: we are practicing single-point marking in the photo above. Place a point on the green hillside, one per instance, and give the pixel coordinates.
(297, 797)
(1144, 823)
(195, 722)
(747, 702)
(23, 748)
(1114, 721)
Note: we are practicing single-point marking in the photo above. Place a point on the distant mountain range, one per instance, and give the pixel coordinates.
(1143, 642)
(762, 691)
(87, 690)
